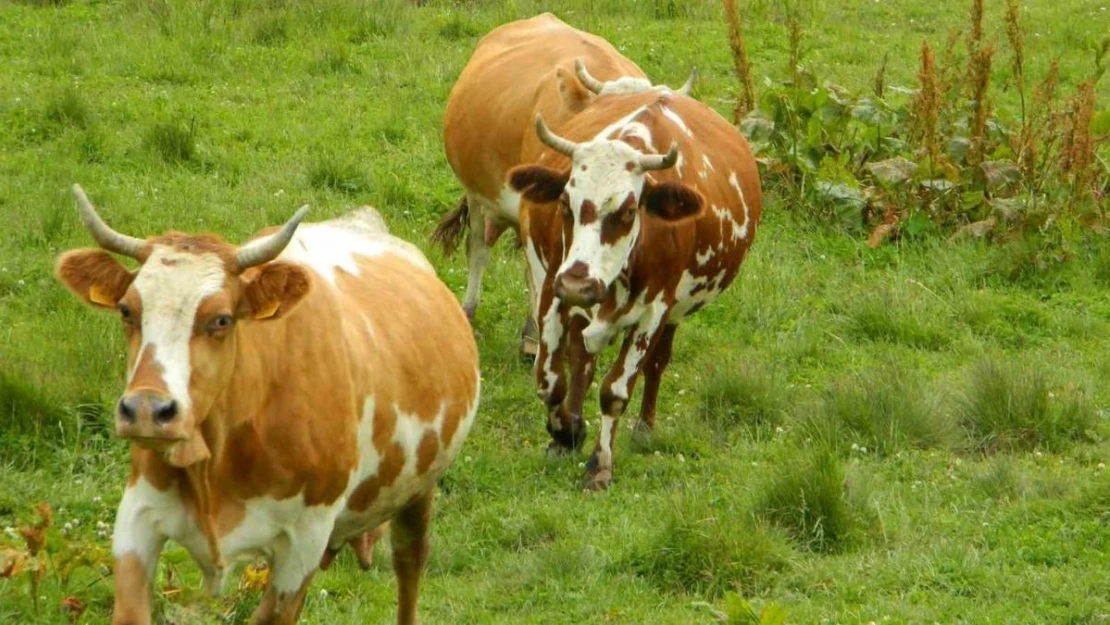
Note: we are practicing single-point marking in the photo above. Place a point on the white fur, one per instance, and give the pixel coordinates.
(625, 84)
(740, 232)
(674, 117)
(551, 334)
(606, 182)
(329, 247)
(171, 285)
(620, 123)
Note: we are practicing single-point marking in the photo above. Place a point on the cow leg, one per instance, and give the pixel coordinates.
(295, 560)
(534, 272)
(409, 536)
(279, 608)
(654, 367)
(477, 254)
(582, 366)
(615, 391)
(136, 545)
(550, 373)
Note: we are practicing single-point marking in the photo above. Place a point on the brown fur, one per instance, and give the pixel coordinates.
(271, 425)
(484, 135)
(678, 225)
(451, 227)
(537, 183)
(81, 270)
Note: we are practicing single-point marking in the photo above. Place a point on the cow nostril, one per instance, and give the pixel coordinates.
(126, 410)
(165, 411)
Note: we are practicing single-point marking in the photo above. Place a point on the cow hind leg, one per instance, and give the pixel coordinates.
(409, 538)
(654, 367)
(477, 254)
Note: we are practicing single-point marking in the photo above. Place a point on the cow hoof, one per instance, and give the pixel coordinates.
(598, 480)
(528, 350)
(470, 314)
(642, 433)
(558, 450)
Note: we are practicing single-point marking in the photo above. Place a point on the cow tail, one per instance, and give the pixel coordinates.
(451, 227)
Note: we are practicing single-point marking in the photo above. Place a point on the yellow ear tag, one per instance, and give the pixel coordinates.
(98, 295)
(268, 311)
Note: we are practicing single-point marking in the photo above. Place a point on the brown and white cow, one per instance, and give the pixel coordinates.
(620, 237)
(520, 69)
(283, 398)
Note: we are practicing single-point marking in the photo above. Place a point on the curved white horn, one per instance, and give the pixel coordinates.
(688, 86)
(651, 162)
(585, 78)
(563, 146)
(264, 250)
(106, 237)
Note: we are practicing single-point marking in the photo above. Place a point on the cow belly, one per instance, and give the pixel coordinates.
(695, 291)
(351, 522)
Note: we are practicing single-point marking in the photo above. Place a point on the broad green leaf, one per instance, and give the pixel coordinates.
(893, 171)
(999, 174)
(958, 148)
(772, 614)
(757, 128)
(971, 199)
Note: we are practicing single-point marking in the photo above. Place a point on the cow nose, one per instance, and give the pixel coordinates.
(164, 411)
(578, 291)
(127, 409)
(147, 405)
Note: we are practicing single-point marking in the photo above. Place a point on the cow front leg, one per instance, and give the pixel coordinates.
(615, 391)
(409, 537)
(551, 381)
(656, 364)
(281, 608)
(136, 546)
(582, 364)
(296, 556)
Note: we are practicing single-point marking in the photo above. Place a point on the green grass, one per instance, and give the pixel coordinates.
(226, 117)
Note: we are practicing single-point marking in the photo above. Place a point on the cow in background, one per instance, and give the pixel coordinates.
(284, 397)
(535, 66)
(637, 213)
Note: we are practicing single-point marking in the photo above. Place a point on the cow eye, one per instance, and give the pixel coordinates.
(124, 312)
(220, 322)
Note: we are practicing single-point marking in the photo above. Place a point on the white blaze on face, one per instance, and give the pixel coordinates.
(602, 181)
(171, 285)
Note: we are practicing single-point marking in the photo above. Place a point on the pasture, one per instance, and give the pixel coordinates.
(912, 433)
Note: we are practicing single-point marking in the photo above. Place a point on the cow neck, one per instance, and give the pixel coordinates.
(235, 406)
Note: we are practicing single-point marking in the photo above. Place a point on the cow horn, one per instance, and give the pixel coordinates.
(563, 146)
(584, 77)
(106, 237)
(651, 162)
(264, 250)
(688, 86)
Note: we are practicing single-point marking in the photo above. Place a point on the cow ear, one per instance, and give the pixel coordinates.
(274, 291)
(95, 276)
(574, 95)
(671, 201)
(537, 183)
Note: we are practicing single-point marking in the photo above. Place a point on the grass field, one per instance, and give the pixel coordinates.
(908, 434)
